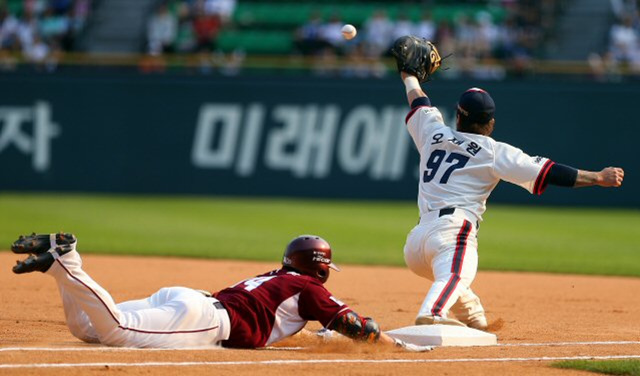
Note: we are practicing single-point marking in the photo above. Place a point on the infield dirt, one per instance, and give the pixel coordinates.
(536, 315)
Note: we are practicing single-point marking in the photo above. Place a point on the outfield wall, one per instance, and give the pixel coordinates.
(288, 136)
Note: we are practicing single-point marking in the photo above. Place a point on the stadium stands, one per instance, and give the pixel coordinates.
(489, 38)
(40, 30)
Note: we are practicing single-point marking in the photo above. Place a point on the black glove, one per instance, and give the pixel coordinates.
(416, 56)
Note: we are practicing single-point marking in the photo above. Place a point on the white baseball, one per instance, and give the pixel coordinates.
(349, 31)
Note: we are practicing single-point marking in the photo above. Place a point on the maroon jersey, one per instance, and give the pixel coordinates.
(276, 305)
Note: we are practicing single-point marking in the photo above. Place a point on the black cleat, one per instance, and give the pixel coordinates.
(40, 243)
(40, 263)
(39, 246)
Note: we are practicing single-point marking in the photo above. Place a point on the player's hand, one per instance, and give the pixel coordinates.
(411, 347)
(611, 177)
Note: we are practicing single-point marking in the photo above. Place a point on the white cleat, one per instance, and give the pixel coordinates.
(437, 320)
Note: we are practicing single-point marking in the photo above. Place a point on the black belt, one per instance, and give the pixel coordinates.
(449, 211)
(219, 305)
(446, 211)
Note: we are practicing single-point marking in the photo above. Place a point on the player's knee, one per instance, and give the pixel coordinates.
(82, 334)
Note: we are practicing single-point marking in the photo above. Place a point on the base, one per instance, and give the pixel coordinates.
(443, 335)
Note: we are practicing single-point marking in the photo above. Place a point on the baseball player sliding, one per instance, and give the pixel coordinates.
(458, 170)
(253, 313)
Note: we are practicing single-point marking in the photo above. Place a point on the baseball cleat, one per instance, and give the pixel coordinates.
(479, 323)
(41, 251)
(437, 320)
(41, 243)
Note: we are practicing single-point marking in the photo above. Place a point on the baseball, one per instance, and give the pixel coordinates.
(349, 31)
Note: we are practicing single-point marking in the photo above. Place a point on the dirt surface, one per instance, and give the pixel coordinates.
(537, 318)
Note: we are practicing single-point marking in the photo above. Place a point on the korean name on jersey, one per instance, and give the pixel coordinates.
(459, 170)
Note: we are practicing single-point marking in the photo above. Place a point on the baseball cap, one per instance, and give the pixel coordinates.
(476, 105)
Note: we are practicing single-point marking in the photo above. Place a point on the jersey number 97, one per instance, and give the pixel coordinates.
(435, 160)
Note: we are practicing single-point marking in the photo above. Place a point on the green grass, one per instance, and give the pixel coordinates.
(609, 367)
(585, 241)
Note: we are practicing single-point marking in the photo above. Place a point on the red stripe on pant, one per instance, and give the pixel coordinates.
(456, 268)
(461, 247)
(445, 295)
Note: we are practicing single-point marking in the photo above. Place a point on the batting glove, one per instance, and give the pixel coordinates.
(412, 347)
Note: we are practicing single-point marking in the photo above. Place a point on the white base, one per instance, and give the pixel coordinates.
(443, 335)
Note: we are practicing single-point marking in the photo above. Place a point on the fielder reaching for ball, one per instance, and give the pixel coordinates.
(458, 170)
(253, 313)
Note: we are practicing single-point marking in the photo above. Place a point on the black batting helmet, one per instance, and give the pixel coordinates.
(309, 255)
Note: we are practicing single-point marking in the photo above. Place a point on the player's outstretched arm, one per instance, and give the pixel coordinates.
(567, 176)
(412, 86)
(608, 177)
(365, 329)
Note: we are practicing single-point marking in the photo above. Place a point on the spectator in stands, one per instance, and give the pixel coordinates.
(486, 35)
(27, 28)
(331, 34)
(37, 51)
(308, 38)
(161, 30)
(221, 8)
(445, 38)
(377, 34)
(34, 7)
(465, 34)
(206, 28)
(185, 35)
(8, 29)
(402, 26)
(624, 41)
(426, 28)
(326, 61)
(506, 39)
(80, 13)
(55, 24)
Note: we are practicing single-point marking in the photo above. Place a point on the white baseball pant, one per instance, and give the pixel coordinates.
(173, 317)
(444, 249)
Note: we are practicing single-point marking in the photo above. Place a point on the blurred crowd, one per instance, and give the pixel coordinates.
(623, 49)
(502, 40)
(184, 26)
(39, 30)
(476, 40)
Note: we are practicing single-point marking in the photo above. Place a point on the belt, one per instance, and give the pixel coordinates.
(430, 216)
(219, 305)
(446, 211)
(225, 319)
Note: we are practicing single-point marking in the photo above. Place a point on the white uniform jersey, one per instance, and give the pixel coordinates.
(459, 170)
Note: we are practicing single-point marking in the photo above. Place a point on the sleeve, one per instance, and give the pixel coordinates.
(515, 166)
(317, 303)
(420, 120)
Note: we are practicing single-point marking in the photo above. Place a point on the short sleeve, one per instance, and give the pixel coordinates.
(317, 303)
(420, 120)
(515, 166)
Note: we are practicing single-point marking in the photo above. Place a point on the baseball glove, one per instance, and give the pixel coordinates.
(416, 56)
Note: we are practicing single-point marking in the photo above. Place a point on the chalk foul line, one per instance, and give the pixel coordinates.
(293, 348)
(312, 361)
(589, 343)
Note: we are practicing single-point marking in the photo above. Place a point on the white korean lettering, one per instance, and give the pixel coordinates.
(216, 135)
